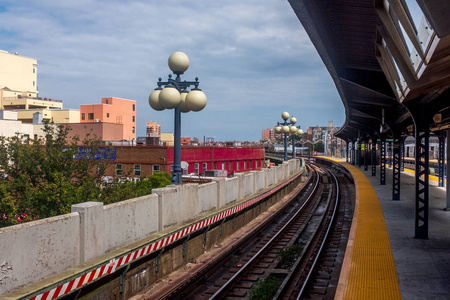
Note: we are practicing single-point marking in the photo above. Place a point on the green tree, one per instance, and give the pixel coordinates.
(45, 177)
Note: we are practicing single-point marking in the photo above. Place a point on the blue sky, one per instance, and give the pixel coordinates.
(253, 59)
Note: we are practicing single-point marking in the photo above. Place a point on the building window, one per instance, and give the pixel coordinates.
(205, 167)
(90, 116)
(137, 169)
(156, 168)
(196, 168)
(134, 119)
(34, 83)
(134, 107)
(251, 164)
(119, 169)
(223, 165)
(107, 115)
(245, 165)
(230, 166)
(34, 71)
(215, 166)
(83, 116)
(185, 171)
(256, 164)
(133, 129)
(237, 165)
(35, 137)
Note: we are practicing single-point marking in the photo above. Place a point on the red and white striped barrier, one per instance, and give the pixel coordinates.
(115, 263)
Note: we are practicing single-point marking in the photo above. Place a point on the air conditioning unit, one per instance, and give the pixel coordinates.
(96, 120)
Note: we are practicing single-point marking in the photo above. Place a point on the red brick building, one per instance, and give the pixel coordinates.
(144, 160)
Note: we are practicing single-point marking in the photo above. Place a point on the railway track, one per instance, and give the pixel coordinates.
(287, 255)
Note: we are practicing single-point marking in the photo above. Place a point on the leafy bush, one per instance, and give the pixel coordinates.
(45, 177)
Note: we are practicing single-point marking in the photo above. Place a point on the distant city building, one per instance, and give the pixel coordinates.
(60, 116)
(268, 134)
(144, 161)
(18, 73)
(106, 132)
(10, 126)
(167, 138)
(112, 110)
(153, 129)
(18, 84)
(185, 141)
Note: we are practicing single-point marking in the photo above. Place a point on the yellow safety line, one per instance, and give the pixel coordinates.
(369, 269)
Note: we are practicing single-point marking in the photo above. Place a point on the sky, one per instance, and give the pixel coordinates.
(253, 59)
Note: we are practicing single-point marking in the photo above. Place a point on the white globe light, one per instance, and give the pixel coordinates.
(278, 129)
(292, 130)
(178, 62)
(285, 115)
(169, 97)
(293, 120)
(184, 107)
(196, 100)
(153, 100)
(285, 129)
(300, 132)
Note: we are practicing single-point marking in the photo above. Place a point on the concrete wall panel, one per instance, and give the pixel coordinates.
(227, 190)
(36, 250)
(259, 181)
(130, 220)
(207, 194)
(177, 204)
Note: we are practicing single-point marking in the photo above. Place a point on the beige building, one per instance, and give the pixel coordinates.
(18, 84)
(61, 116)
(167, 138)
(18, 73)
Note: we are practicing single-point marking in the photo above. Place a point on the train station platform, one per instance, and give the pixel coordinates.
(421, 266)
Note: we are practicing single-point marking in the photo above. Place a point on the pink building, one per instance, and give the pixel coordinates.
(112, 110)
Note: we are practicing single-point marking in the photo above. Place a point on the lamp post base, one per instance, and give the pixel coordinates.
(177, 178)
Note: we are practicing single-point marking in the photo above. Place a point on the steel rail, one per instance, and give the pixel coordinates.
(227, 285)
(330, 225)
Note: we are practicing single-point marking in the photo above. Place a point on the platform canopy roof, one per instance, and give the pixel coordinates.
(383, 62)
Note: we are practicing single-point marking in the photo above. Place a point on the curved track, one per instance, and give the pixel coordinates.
(304, 226)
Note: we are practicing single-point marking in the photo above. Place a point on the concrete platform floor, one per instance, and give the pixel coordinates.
(422, 265)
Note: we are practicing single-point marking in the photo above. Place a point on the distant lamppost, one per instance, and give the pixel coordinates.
(285, 129)
(175, 95)
(297, 132)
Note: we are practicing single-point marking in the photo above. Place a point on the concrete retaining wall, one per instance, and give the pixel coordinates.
(128, 221)
(33, 251)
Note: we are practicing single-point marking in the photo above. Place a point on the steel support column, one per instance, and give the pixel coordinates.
(358, 154)
(396, 168)
(422, 136)
(441, 159)
(373, 146)
(383, 161)
(352, 153)
(366, 156)
(402, 154)
(447, 207)
(346, 151)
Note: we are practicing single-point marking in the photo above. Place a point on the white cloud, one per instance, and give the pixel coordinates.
(251, 58)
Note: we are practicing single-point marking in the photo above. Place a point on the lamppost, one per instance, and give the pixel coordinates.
(285, 129)
(175, 95)
(294, 130)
